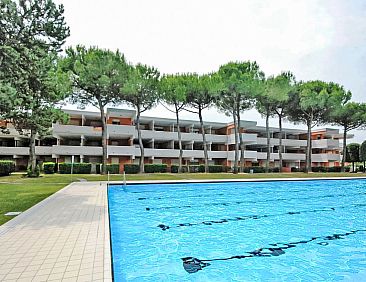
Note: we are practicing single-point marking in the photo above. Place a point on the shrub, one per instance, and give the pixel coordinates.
(274, 169)
(153, 168)
(227, 168)
(131, 168)
(174, 169)
(78, 168)
(360, 168)
(215, 168)
(294, 169)
(334, 169)
(256, 169)
(196, 168)
(347, 168)
(36, 172)
(319, 169)
(82, 168)
(6, 167)
(49, 167)
(113, 168)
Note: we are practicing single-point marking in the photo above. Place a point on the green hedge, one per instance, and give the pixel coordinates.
(113, 168)
(131, 168)
(334, 169)
(326, 169)
(153, 168)
(49, 167)
(321, 169)
(274, 169)
(6, 167)
(200, 168)
(174, 169)
(256, 169)
(215, 168)
(196, 168)
(78, 168)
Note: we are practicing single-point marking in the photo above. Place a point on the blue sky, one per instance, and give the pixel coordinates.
(315, 39)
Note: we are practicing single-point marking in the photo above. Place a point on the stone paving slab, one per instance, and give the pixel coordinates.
(63, 238)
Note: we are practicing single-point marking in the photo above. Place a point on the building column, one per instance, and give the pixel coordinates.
(82, 140)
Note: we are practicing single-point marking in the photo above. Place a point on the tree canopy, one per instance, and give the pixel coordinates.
(141, 92)
(31, 35)
(97, 77)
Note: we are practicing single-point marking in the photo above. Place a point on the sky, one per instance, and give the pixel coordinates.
(315, 39)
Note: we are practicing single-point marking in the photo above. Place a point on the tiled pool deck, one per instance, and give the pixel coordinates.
(66, 236)
(63, 238)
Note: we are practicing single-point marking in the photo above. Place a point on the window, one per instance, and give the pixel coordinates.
(116, 122)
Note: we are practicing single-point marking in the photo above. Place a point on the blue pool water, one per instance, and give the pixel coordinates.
(253, 231)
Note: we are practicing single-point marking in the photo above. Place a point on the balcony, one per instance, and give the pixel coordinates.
(213, 138)
(292, 157)
(248, 138)
(321, 158)
(173, 153)
(121, 130)
(75, 130)
(77, 150)
(326, 144)
(251, 155)
(90, 131)
(285, 156)
(293, 143)
(121, 150)
(24, 151)
(285, 142)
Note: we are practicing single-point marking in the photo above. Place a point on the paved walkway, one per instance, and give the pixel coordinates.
(63, 238)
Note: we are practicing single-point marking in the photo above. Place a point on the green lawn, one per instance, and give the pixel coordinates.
(18, 193)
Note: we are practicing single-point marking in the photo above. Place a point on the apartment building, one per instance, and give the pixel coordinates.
(80, 140)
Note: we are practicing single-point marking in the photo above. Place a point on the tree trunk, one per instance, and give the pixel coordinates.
(104, 140)
(203, 139)
(32, 153)
(179, 141)
(280, 149)
(268, 143)
(344, 148)
(308, 147)
(242, 146)
(236, 154)
(141, 145)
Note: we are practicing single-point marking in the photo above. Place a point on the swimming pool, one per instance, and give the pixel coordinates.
(239, 231)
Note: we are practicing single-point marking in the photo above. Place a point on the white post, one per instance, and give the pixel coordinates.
(72, 165)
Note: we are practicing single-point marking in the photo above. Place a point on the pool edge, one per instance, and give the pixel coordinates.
(136, 182)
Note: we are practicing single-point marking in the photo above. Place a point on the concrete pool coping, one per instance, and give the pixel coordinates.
(133, 182)
(66, 237)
